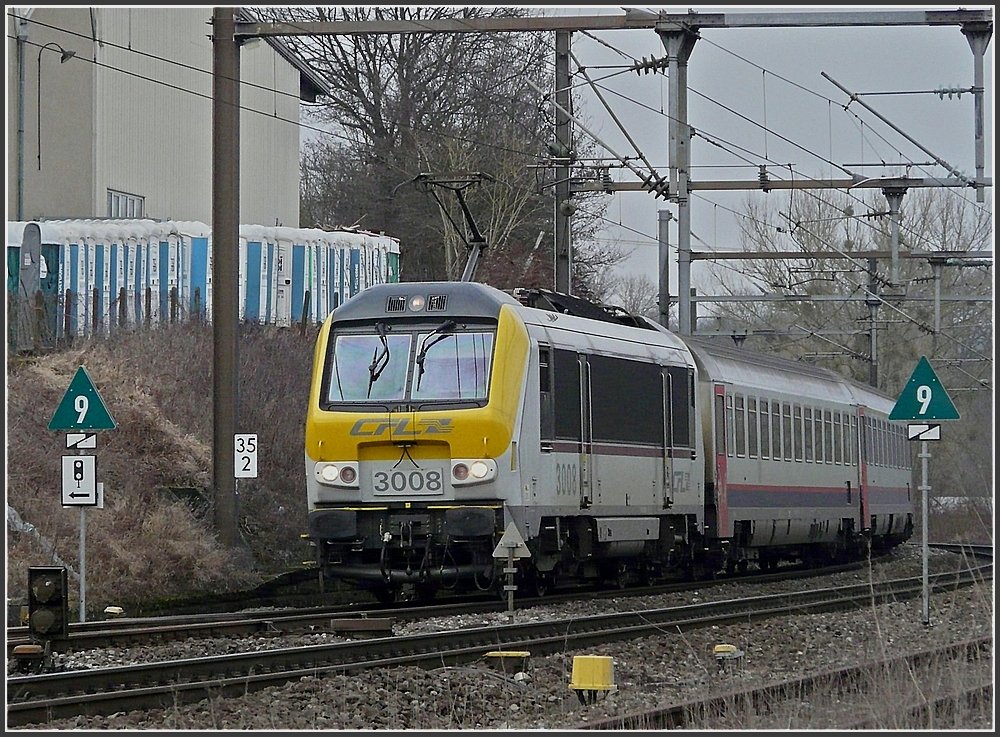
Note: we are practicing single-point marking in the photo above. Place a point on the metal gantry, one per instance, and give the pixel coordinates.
(678, 32)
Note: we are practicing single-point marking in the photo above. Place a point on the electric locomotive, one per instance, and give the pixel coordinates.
(442, 412)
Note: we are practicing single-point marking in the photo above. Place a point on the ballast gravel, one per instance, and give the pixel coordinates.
(648, 673)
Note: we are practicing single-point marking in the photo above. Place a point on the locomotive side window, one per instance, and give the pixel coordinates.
(752, 427)
(808, 420)
(545, 407)
(617, 388)
(681, 404)
(566, 377)
(741, 421)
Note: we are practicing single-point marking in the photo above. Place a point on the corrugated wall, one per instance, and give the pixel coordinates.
(85, 277)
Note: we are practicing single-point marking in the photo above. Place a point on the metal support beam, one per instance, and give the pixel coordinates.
(225, 268)
(663, 218)
(894, 195)
(750, 185)
(564, 142)
(978, 35)
(679, 40)
(630, 19)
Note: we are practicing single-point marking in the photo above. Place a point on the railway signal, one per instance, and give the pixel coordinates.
(48, 603)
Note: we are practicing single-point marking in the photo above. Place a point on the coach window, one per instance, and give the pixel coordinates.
(808, 419)
(838, 439)
(776, 430)
(828, 435)
(852, 445)
(765, 432)
(730, 425)
(566, 382)
(797, 429)
(752, 427)
(786, 426)
(545, 408)
(741, 423)
(720, 424)
(818, 434)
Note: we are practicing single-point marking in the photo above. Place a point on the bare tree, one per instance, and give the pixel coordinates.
(433, 103)
(837, 334)
(637, 294)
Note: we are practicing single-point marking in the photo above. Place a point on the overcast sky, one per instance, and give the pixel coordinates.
(742, 79)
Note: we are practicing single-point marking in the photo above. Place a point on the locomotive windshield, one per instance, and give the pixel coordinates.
(452, 366)
(437, 365)
(369, 368)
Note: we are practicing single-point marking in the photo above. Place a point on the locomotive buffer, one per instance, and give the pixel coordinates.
(511, 546)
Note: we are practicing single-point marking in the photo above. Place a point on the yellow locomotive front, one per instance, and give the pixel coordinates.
(410, 435)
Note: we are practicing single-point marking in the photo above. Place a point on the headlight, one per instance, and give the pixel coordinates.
(417, 303)
(465, 472)
(338, 473)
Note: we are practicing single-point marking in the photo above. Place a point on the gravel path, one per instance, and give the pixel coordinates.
(649, 672)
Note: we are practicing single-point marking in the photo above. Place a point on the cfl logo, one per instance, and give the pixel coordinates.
(370, 427)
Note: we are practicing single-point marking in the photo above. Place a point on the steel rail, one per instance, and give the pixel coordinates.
(35, 699)
(690, 713)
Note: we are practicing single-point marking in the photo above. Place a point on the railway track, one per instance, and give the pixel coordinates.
(696, 714)
(39, 698)
(127, 631)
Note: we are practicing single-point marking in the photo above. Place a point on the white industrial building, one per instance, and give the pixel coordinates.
(109, 114)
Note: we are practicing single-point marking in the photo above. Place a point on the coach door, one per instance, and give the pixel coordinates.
(668, 434)
(864, 433)
(721, 468)
(586, 437)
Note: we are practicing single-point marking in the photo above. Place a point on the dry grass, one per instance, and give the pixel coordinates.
(149, 542)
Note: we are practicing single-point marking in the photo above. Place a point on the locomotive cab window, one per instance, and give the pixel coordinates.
(368, 368)
(451, 365)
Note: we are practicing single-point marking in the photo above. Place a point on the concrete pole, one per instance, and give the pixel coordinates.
(225, 268)
(564, 140)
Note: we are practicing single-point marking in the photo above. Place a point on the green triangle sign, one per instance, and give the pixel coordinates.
(924, 397)
(81, 407)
